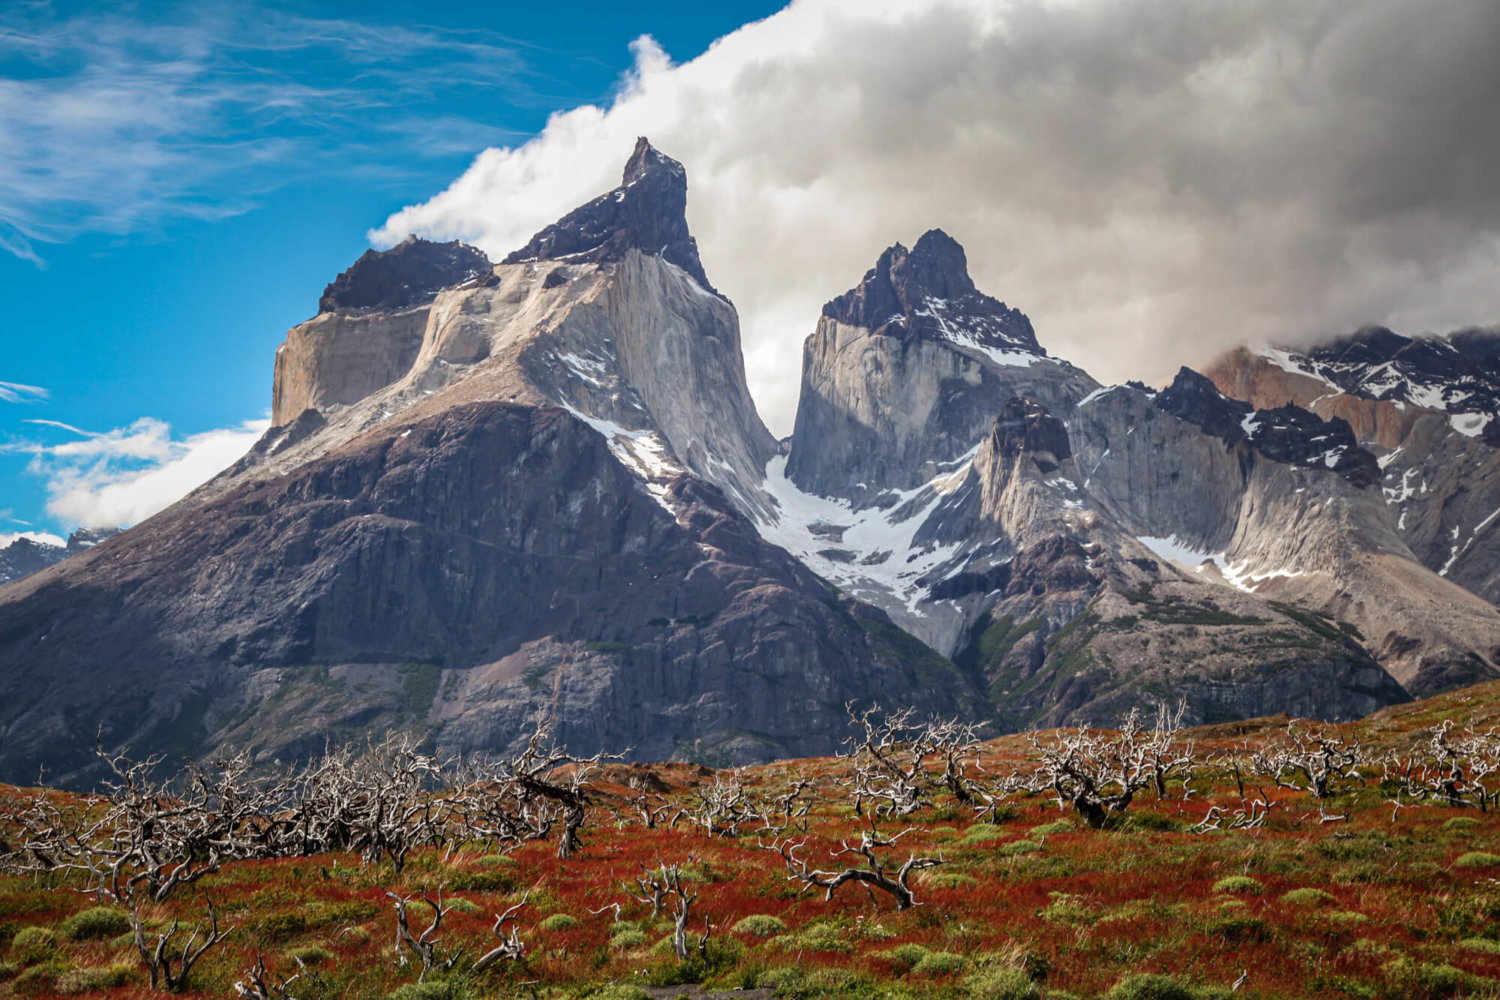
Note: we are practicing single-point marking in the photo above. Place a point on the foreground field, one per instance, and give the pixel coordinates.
(1373, 890)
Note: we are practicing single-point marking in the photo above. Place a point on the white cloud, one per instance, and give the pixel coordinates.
(1150, 180)
(123, 476)
(15, 392)
(40, 537)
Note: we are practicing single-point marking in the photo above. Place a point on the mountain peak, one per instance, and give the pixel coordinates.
(408, 274)
(647, 212)
(927, 292)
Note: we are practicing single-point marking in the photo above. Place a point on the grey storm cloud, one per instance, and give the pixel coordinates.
(1153, 181)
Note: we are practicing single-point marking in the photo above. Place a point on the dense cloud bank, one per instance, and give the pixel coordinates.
(1151, 180)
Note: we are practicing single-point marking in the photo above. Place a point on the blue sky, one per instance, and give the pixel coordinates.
(181, 180)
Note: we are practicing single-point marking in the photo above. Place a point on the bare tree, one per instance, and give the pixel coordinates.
(888, 761)
(875, 871)
(510, 946)
(424, 946)
(1099, 775)
(1454, 769)
(169, 967)
(1309, 760)
(259, 984)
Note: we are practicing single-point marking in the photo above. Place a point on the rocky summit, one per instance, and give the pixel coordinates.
(542, 486)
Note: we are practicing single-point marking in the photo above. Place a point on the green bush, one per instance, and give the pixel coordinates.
(96, 923)
(1461, 823)
(982, 832)
(619, 991)
(1151, 986)
(628, 939)
(1242, 884)
(1308, 897)
(88, 980)
(1425, 981)
(907, 955)
(1477, 859)
(1048, 829)
(1002, 984)
(39, 980)
(1482, 945)
(313, 954)
(760, 925)
(33, 944)
(559, 922)
(1016, 847)
(280, 926)
(938, 963)
(442, 989)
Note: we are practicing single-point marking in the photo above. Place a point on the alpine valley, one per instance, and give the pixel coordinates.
(541, 485)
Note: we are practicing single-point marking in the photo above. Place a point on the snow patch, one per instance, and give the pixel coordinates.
(875, 553)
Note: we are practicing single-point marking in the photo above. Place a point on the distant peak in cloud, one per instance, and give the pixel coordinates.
(1150, 180)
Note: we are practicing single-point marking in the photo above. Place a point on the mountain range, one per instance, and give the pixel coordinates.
(541, 485)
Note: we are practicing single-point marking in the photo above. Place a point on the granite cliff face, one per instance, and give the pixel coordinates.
(905, 371)
(1429, 408)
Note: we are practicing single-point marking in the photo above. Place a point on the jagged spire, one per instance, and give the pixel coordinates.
(409, 273)
(927, 291)
(647, 212)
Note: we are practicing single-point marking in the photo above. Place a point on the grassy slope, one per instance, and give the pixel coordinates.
(1363, 908)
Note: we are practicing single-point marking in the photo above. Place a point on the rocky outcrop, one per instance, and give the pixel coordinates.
(409, 274)
(647, 212)
(369, 327)
(1286, 434)
(905, 371)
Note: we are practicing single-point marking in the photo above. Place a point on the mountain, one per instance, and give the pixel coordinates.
(1429, 408)
(493, 490)
(538, 513)
(24, 556)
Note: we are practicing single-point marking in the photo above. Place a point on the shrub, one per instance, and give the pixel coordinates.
(949, 880)
(979, 833)
(280, 926)
(1424, 981)
(559, 922)
(1151, 986)
(33, 944)
(620, 991)
(313, 954)
(94, 978)
(442, 989)
(1048, 829)
(760, 925)
(908, 955)
(1242, 884)
(1016, 847)
(1477, 859)
(39, 979)
(938, 963)
(93, 924)
(1152, 822)
(1002, 984)
(628, 939)
(1482, 945)
(1308, 897)
(1461, 823)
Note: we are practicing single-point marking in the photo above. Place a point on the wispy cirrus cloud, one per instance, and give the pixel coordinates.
(116, 121)
(122, 476)
(15, 392)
